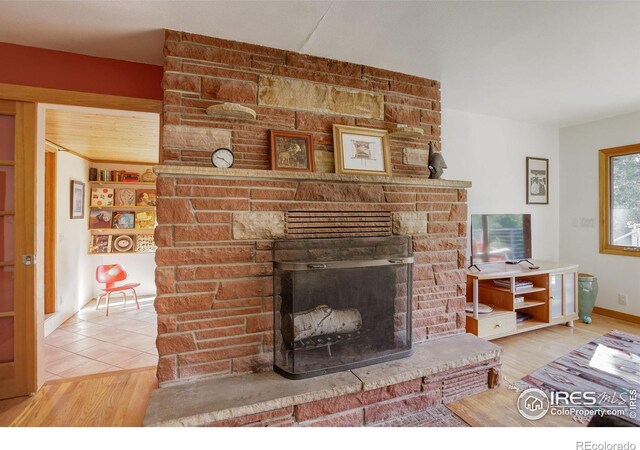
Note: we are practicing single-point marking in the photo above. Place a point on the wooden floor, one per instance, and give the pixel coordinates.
(524, 353)
(120, 398)
(115, 399)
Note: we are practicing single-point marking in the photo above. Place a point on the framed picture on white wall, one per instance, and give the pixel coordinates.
(537, 181)
(77, 199)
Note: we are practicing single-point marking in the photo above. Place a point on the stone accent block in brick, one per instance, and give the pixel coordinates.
(258, 225)
(410, 223)
(201, 138)
(317, 97)
(415, 156)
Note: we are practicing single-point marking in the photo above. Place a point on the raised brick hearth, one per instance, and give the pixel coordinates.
(406, 392)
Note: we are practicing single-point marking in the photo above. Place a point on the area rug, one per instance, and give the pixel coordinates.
(438, 416)
(608, 367)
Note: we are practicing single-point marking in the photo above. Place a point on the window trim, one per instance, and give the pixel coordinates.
(605, 156)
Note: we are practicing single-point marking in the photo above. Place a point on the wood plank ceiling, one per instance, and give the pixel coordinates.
(123, 137)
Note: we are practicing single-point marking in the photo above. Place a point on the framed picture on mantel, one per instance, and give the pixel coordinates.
(537, 181)
(360, 150)
(292, 151)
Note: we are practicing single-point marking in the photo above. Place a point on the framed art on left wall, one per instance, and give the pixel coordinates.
(77, 200)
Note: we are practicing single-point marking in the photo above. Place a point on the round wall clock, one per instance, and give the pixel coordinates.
(222, 158)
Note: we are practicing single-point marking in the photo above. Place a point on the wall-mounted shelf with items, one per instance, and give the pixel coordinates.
(521, 299)
(122, 217)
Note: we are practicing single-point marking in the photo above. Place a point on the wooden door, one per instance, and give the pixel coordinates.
(50, 197)
(17, 245)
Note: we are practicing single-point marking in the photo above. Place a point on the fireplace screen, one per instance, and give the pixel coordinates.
(341, 303)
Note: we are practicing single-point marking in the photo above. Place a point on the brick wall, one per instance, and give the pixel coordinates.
(215, 304)
(203, 71)
(215, 298)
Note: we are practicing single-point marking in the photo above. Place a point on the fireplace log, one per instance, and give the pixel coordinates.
(322, 320)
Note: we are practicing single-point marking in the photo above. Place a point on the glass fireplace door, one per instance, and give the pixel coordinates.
(341, 303)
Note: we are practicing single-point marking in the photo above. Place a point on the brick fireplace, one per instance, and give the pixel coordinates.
(217, 227)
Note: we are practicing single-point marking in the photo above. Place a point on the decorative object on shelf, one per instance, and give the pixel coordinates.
(292, 151)
(123, 220)
(101, 196)
(125, 197)
(537, 181)
(406, 131)
(100, 243)
(145, 220)
(129, 177)
(145, 243)
(222, 158)
(122, 243)
(126, 209)
(100, 219)
(231, 111)
(360, 150)
(436, 163)
(77, 200)
(145, 197)
(110, 175)
(482, 308)
(148, 176)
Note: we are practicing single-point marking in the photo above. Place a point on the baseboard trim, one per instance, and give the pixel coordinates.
(616, 314)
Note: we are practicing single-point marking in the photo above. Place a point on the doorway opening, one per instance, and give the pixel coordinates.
(99, 219)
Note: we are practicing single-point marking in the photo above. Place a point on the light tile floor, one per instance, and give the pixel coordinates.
(90, 342)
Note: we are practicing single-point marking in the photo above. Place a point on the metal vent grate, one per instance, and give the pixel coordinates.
(327, 224)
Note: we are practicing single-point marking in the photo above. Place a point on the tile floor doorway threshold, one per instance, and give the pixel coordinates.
(90, 342)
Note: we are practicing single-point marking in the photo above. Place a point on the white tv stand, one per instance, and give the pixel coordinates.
(551, 301)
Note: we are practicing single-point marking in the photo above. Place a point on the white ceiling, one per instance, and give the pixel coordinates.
(554, 63)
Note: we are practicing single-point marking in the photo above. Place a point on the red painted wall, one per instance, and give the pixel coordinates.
(38, 67)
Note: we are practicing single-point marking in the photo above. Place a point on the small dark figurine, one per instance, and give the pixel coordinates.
(436, 163)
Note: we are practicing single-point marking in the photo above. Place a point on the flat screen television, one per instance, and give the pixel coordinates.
(500, 237)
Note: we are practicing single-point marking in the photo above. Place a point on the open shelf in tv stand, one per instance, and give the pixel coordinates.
(551, 301)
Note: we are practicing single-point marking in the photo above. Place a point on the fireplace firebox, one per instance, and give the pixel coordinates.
(341, 303)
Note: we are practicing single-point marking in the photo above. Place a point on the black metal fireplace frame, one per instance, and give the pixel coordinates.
(319, 265)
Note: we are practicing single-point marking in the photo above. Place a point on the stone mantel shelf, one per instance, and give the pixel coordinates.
(200, 402)
(214, 172)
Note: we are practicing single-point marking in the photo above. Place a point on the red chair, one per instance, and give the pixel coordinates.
(109, 274)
